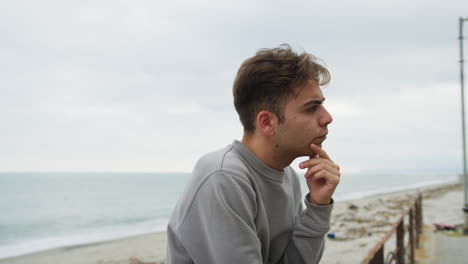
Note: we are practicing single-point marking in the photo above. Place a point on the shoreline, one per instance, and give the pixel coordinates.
(421, 186)
(147, 245)
(351, 227)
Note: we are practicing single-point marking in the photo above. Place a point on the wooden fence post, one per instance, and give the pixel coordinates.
(411, 235)
(400, 242)
(378, 257)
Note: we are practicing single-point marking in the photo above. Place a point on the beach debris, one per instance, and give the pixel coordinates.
(360, 231)
(444, 227)
(334, 236)
(353, 207)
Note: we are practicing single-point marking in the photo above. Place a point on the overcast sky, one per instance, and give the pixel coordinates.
(146, 85)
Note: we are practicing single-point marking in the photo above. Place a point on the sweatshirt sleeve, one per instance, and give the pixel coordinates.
(220, 224)
(307, 242)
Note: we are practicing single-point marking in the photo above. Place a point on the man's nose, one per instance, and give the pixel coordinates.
(326, 118)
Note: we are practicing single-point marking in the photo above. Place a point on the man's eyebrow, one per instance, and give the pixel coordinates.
(314, 101)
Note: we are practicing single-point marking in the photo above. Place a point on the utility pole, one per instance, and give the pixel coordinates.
(462, 86)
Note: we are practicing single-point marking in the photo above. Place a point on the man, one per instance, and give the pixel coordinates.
(243, 204)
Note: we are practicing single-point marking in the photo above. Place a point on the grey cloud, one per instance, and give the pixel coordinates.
(89, 79)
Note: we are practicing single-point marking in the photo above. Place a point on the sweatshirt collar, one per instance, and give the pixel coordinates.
(257, 164)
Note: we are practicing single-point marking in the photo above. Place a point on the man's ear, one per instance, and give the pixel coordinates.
(267, 122)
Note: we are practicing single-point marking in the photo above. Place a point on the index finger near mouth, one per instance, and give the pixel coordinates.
(319, 151)
(313, 162)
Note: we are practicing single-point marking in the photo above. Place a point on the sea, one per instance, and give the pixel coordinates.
(40, 211)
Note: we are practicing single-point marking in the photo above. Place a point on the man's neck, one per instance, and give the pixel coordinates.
(266, 152)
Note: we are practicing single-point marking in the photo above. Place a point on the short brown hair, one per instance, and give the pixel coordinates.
(267, 81)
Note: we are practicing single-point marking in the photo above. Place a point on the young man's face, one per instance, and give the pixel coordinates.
(305, 122)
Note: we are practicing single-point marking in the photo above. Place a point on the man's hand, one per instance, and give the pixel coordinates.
(322, 176)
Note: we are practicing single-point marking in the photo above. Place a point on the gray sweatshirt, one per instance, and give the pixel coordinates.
(237, 210)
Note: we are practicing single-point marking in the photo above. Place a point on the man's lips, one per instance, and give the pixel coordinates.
(324, 135)
(322, 138)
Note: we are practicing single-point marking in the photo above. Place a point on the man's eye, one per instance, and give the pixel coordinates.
(312, 109)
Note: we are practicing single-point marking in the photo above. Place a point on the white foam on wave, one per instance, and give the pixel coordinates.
(81, 237)
(386, 190)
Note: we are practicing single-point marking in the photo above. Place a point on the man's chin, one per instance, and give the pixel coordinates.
(311, 153)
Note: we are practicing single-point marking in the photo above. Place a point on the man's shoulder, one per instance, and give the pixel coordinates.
(217, 173)
(226, 161)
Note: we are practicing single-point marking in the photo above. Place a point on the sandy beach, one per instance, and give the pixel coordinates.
(358, 225)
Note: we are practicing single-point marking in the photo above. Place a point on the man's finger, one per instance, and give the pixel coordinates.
(321, 167)
(314, 161)
(318, 150)
(328, 176)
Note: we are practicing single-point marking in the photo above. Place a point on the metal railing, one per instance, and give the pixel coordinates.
(401, 254)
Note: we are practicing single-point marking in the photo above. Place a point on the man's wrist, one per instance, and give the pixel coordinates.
(319, 202)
